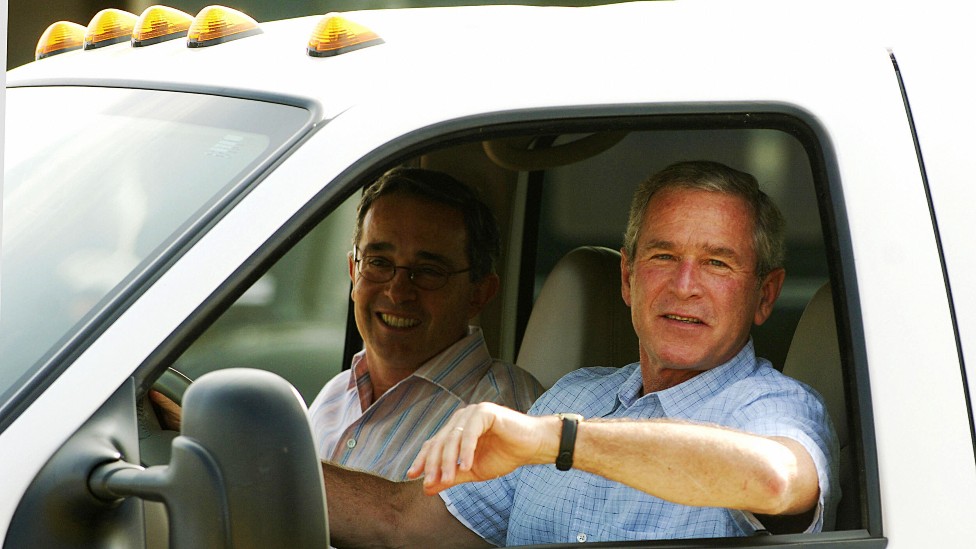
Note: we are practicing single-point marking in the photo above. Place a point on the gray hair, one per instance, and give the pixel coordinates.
(768, 232)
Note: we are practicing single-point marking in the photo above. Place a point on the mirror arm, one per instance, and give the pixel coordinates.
(243, 473)
(190, 487)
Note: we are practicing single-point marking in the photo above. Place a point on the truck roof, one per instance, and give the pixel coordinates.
(489, 49)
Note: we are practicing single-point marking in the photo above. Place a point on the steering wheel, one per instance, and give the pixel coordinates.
(173, 383)
(155, 441)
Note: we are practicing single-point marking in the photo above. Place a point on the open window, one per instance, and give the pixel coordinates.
(554, 186)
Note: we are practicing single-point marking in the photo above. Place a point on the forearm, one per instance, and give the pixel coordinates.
(354, 499)
(369, 511)
(685, 463)
(700, 465)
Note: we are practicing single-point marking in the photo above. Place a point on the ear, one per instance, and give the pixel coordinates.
(769, 291)
(481, 293)
(624, 276)
(352, 275)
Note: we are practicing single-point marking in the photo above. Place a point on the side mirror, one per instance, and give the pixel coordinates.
(243, 473)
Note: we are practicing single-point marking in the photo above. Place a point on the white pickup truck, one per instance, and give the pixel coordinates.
(176, 204)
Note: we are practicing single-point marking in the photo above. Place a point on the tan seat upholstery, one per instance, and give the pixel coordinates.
(814, 358)
(579, 318)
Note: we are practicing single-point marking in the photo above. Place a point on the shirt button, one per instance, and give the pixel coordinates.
(351, 443)
(581, 537)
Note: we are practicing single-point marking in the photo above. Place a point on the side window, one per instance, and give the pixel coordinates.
(292, 321)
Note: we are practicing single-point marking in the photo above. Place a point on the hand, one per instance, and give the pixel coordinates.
(170, 413)
(484, 441)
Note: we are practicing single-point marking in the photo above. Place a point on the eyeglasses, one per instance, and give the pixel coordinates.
(426, 277)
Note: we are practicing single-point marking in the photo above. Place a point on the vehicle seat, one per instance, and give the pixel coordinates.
(814, 358)
(579, 318)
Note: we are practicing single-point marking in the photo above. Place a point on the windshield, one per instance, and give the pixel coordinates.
(98, 184)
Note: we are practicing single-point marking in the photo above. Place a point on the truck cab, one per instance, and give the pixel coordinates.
(177, 216)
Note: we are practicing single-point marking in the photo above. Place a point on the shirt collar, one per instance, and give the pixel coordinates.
(359, 379)
(450, 369)
(678, 399)
(466, 358)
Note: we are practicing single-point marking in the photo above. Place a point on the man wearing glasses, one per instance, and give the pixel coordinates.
(699, 439)
(422, 267)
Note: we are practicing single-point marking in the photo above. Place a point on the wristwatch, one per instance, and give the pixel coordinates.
(567, 441)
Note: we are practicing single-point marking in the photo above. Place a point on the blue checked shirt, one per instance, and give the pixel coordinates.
(384, 437)
(538, 504)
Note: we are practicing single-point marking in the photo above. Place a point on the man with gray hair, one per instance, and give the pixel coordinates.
(700, 438)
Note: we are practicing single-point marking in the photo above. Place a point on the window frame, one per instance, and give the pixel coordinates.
(554, 121)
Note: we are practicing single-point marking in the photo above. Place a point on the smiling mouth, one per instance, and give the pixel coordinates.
(398, 321)
(685, 319)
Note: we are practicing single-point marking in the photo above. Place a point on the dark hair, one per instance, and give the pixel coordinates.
(768, 228)
(483, 238)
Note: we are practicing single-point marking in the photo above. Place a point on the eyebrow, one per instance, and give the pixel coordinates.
(718, 251)
(424, 255)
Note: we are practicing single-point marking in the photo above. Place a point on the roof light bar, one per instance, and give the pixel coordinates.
(218, 24)
(159, 24)
(109, 26)
(335, 35)
(60, 37)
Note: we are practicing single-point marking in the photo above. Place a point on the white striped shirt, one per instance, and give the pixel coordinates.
(383, 437)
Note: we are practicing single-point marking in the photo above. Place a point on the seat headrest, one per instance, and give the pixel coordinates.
(579, 319)
(814, 357)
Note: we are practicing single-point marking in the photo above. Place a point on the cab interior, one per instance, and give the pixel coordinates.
(561, 192)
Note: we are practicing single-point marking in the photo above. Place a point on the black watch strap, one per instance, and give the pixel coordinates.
(567, 441)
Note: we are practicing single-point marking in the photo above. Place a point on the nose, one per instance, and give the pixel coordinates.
(400, 289)
(686, 279)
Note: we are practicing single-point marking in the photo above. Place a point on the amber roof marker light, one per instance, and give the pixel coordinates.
(160, 24)
(335, 35)
(60, 37)
(218, 24)
(109, 26)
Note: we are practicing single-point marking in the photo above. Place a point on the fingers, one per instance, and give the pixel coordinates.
(449, 454)
(462, 439)
(448, 457)
(469, 444)
(172, 414)
(437, 459)
(480, 442)
(162, 400)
